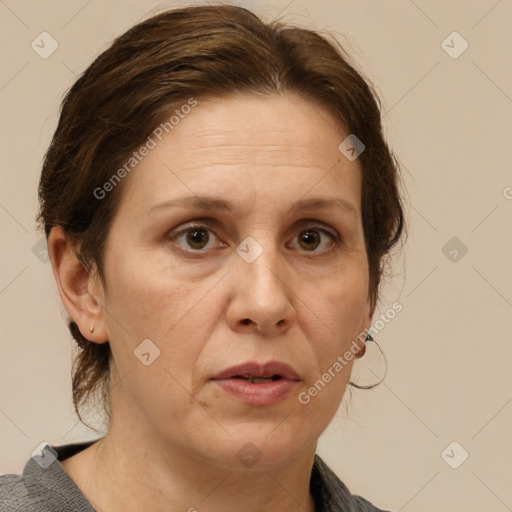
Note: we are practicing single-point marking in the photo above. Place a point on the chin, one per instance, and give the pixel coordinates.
(254, 449)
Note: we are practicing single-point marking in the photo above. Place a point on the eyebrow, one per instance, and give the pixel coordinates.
(212, 203)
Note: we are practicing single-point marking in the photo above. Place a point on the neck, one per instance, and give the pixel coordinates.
(131, 471)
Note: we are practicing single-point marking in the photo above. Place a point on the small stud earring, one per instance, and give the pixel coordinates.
(92, 329)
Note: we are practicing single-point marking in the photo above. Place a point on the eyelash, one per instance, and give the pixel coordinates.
(336, 238)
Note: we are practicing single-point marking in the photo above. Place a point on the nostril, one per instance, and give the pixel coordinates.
(246, 321)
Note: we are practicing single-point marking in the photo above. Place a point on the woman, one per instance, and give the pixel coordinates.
(218, 200)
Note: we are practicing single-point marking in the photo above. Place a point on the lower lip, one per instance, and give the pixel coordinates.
(265, 393)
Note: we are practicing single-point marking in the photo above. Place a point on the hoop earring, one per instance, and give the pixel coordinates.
(370, 338)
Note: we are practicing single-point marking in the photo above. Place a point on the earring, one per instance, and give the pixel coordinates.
(369, 338)
(92, 329)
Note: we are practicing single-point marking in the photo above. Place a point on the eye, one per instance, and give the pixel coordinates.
(198, 236)
(311, 238)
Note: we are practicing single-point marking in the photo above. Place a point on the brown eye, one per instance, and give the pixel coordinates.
(195, 237)
(312, 238)
(309, 239)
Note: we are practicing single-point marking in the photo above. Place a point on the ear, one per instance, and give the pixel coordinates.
(81, 292)
(366, 322)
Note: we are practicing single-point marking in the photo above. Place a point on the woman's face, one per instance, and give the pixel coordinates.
(232, 273)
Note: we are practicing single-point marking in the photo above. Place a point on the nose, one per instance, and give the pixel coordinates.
(261, 298)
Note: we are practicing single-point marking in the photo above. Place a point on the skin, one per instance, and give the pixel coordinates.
(174, 436)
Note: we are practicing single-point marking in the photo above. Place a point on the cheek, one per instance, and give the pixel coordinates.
(144, 298)
(147, 302)
(337, 310)
(342, 305)
(342, 302)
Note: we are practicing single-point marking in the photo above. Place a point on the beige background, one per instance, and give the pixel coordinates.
(449, 350)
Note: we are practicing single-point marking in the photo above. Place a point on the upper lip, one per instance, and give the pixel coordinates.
(251, 369)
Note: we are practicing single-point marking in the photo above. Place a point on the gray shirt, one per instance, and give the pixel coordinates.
(44, 486)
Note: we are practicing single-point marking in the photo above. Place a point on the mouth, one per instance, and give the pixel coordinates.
(258, 385)
(259, 373)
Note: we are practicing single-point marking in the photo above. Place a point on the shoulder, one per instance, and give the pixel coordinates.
(14, 495)
(365, 506)
(44, 485)
(332, 495)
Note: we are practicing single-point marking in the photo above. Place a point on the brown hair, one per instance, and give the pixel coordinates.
(156, 66)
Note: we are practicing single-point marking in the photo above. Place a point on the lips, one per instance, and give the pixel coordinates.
(258, 384)
(274, 370)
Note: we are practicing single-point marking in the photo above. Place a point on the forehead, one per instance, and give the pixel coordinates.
(276, 123)
(284, 144)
